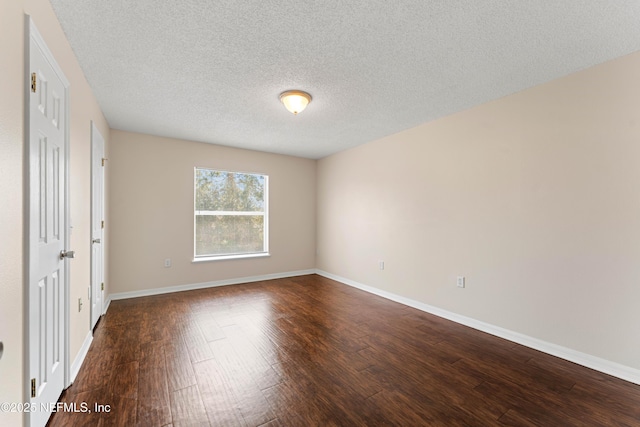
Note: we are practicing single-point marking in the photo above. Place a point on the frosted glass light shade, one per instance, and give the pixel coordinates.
(295, 100)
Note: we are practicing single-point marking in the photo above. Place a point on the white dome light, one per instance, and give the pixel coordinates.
(295, 100)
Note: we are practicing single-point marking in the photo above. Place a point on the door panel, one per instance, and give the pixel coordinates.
(47, 224)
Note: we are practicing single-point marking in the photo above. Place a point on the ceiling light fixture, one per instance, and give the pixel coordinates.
(295, 100)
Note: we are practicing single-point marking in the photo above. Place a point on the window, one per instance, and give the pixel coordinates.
(230, 218)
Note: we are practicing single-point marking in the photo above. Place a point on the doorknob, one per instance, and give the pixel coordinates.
(95, 241)
(67, 254)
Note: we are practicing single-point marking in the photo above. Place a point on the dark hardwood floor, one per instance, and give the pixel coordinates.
(308, 351)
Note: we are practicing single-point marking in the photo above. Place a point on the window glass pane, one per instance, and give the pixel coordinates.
(229, 191)
(229, 234)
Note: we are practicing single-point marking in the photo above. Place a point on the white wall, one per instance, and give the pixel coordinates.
(151, 212)
(533, 197)
(83, 109)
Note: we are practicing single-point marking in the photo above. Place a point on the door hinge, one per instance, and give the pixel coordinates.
(102, 286)
(33, 387)
(104, 160)
(34, 79)
(102, 224)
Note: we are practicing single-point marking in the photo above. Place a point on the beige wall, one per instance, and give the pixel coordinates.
(533, 197)
(11, 274)
(151, 212)
(83, 109)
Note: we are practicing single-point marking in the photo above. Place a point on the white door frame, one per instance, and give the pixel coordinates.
(97, 226)
(32, 34)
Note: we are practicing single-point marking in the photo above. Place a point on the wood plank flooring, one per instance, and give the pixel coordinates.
(308, 351)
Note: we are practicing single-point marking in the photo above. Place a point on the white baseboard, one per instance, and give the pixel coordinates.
(190, 287)
(611, 368)
(77, 362)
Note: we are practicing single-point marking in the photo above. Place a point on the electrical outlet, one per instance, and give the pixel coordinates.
(167, 263)
(381, 265)
(460, 281)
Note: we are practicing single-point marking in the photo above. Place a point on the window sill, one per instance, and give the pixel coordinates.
(228, 257)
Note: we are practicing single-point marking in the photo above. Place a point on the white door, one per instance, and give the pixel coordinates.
(97, 224)
(48, 236)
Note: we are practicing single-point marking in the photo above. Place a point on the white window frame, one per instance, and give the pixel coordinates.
(265, 214)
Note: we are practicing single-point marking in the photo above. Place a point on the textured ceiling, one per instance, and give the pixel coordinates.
(212, 71)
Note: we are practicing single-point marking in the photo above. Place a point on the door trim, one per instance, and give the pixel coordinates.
(32, 34)
(95, 171)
